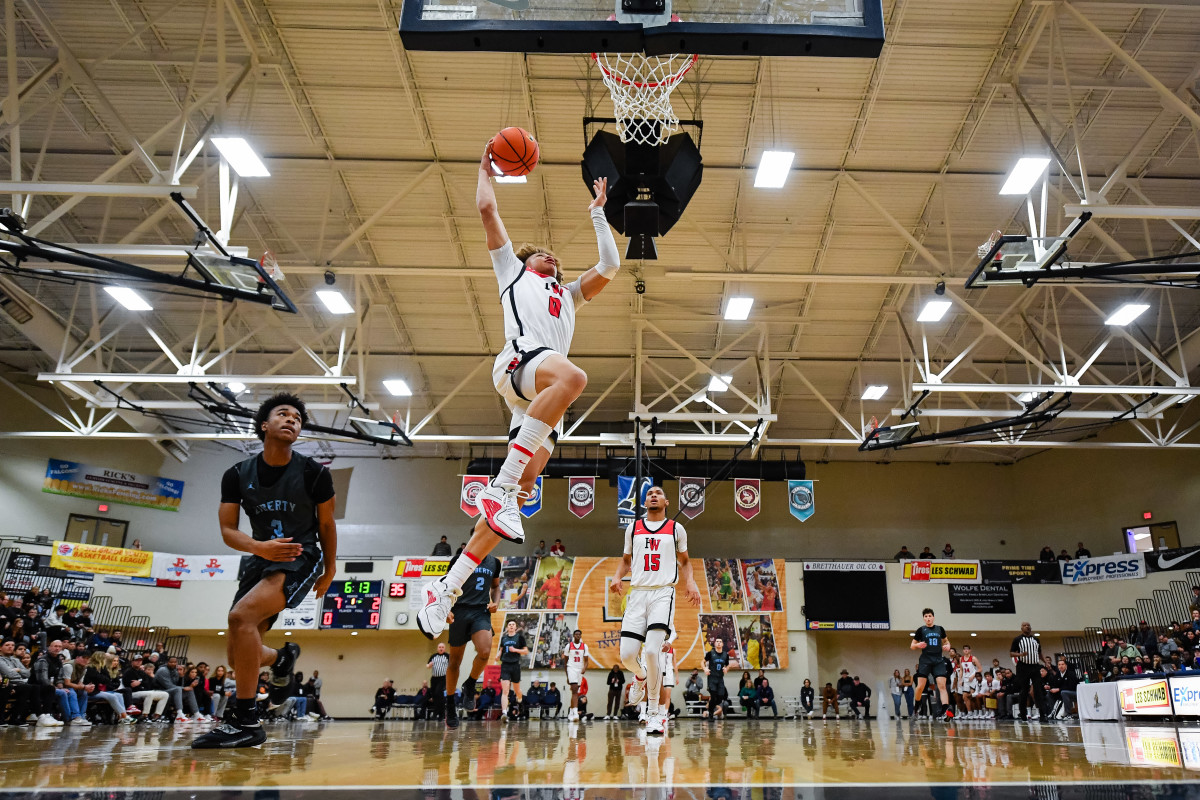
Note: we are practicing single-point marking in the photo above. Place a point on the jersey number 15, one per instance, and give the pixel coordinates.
(653, 562)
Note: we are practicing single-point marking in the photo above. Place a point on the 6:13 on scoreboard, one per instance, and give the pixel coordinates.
(352, 605)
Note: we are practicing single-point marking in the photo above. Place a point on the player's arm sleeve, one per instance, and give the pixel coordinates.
(505, 264)
(575, 287)
(322, 491)
(231, 488)
(628, 540)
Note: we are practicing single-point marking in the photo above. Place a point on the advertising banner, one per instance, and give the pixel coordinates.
(691, 496)
(747, 497)
(1020, 572)
(195, 568)
(981, 598)
(1106, 568)
(942, 571)
(814, 625)
(533, 504)
(844, 566)
(471, 486)
(1172, 560)
(302, 617)
(802, 499)
(1145, 697)
(1153, 747)
(1185, 695)
(1189, 743)
(421, 568)
(581, 496)
(111, 485)
(626, 507)
(102, 560)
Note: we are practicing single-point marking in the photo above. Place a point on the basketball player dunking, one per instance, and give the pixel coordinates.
(655, 555)
(532, 374)
(577, 661)
(471, 621)
(293, 545)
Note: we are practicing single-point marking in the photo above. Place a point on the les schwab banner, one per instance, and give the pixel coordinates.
(942, 571)
(102, 560)
(421, 567)
(1145, 697)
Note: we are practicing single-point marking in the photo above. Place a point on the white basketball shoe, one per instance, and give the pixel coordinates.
(439, 599)
(500, 505)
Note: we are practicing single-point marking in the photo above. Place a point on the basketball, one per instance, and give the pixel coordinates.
(514, 152)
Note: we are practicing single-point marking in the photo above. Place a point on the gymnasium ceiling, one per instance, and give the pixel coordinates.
(898, 165)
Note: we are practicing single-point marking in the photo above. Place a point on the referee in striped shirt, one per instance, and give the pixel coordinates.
(438, 663)
(1027, 655)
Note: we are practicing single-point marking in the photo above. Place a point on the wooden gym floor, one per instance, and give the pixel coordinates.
(763, 759)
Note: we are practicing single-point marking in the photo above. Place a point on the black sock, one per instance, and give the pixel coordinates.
(246, 711)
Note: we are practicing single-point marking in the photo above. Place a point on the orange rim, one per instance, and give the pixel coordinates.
(674, 79)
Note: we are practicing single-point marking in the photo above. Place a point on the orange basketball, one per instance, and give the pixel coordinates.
(515, 152)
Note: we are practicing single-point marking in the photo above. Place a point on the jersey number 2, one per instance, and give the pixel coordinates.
(479, 579)
(653, 562)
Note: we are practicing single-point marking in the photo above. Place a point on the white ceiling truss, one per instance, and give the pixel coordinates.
(109, 105)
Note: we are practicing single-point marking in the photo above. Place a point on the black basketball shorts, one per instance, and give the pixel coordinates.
(299, 576)
(467, 622)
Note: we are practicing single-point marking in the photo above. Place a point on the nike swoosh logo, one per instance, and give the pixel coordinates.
(491, 508)
(1167, 563)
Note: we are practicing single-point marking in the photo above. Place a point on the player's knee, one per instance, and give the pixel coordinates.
(572, 379)
(240, 618)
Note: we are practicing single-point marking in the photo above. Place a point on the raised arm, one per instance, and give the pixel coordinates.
(595, 279)
(485, 201)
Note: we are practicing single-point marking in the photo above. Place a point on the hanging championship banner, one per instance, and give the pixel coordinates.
(471, 486)
(625, 501)
(691, 496)
(747, 497)
(533, 504)
(802, 502)
(581, 496)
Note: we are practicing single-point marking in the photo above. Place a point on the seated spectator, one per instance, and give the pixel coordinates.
(1047, 554)
(442, 548)
(140, 688)
(1166, 646)
(423, 701)
(1063, 555)
(845, 687)
(312, 691)
(986, 694)
(540, 550)
(766, 698)
(1145, 638)
(829, 698)
(1007, 698)
(29, 699)
(484, 703)
(384, 697)
(860, 698)
(557, 550)
(536, 697)
(1082, 552)
(1062, 688)
(806, 698)
(926, 554)
(748, 698)
(1127, 650)
(1194, 623)
(552, 700)
(137, 544)
(947, 551)
(904, 554)
(167, 678)
(1195, 604)
(104, 685)
(693, 687)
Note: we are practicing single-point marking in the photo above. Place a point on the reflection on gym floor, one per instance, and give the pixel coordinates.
(572, 756)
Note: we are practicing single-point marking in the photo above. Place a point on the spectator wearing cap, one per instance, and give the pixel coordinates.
(905, 554)
(1081, 551)
(141, 691)
(845, 687)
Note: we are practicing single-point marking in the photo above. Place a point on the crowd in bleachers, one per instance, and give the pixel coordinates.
(1144, 648)
(57, 668)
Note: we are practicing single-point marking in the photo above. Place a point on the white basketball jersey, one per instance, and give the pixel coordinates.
(536, 308)
(577, 656)
(969, 668)
(652, 547)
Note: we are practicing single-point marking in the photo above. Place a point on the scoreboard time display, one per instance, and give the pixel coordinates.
(352, 605)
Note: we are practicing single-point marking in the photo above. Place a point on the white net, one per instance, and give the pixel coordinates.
(641, 87)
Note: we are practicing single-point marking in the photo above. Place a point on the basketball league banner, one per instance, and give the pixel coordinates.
(102, 560)
(195, 568)
(691, 496)
(581, 496)
(532, 504)
(941, 571)
(111, 485)
(471, 486)
(747, 497)
(802, 501)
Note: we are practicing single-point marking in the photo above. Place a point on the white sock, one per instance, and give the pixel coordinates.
(462, 568)
(529, 438)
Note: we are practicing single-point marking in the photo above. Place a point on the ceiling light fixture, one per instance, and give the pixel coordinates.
(773, 169)
(511, 179)
(1127, 314)
(237, 387)
(719, 383)
(129, 298)
(738, 308)
(1025, 175)
(241, 156)
(335, 302)
(934, 310)
(874, 392)
(397, 387)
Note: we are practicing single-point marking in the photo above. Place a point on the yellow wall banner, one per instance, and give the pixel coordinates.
(942, 571)
(102, 560)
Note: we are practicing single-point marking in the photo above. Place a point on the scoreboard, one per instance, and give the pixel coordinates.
(352, 605)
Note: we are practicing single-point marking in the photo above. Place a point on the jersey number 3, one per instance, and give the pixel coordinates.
(653, 562)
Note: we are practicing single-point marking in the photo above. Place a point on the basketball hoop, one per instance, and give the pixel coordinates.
(270, 265)
(987, 246)
(641, 87)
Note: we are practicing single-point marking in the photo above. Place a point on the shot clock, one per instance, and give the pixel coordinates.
(352, 605)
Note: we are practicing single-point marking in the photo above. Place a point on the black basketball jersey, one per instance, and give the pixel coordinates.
(477, 591)
(933, 638)
(285, 509)
(517, 640)
(717, 662)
